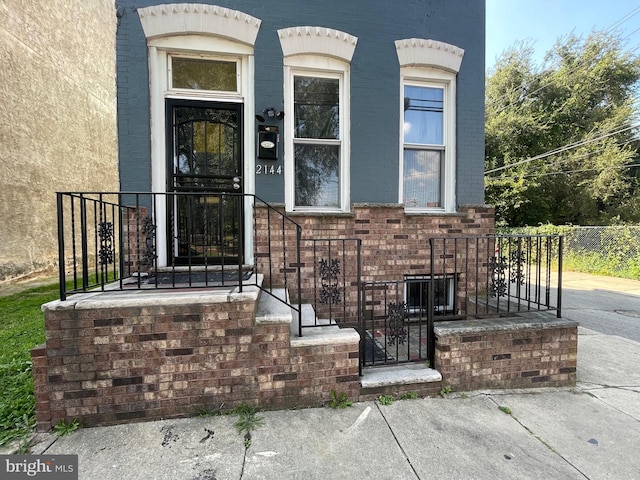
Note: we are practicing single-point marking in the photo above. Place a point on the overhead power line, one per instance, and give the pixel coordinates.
(545, 174)
(561, 149)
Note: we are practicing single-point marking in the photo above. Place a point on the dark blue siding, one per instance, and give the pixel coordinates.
(374, 85)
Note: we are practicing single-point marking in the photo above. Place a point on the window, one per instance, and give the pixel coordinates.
(203, 74)
(316, 122)
(417, 294)
(317, 143)
(428, 71)
(423, 151)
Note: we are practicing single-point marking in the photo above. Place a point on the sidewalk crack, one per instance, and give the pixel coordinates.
(538, 438)
(397, 441)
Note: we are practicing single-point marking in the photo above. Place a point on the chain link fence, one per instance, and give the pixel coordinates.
(613, 250)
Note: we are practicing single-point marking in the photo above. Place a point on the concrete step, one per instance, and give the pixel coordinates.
(316, 331)
(404, 374)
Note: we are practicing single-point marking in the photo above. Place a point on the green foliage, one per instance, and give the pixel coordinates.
(615, 254)
(21, 329)
(386, 399)
(582, 96)
(208, 412)
(444, 391)
(339, 401)
(63, 428)
(504, 409)
(247, 422)
(409, 396)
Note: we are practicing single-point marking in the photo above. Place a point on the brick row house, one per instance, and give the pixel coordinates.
(314, 154)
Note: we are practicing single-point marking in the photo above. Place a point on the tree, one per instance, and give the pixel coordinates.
(559, 137)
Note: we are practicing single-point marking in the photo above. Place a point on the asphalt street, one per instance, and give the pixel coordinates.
(604, 304)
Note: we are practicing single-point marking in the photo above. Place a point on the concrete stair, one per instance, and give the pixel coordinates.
(321, 332)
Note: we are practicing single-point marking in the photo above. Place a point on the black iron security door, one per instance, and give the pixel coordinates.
(205, 165)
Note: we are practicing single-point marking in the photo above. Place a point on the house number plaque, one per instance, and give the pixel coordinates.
(268, 169)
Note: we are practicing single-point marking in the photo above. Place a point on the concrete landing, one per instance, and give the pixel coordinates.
(407, 374)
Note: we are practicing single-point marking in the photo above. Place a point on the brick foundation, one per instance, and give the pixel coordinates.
(118, 357)
(393, 243)
(516, 352)
(152, 355)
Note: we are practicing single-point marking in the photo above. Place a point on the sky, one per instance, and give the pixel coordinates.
(544, 21)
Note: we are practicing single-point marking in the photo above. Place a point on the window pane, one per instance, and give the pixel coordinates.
(317, 175)
(198, 74)
(317, 107)
(422, 178)
(423, 113)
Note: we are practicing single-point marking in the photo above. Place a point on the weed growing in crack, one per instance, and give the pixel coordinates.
(63, 428)
(339, 401)
(504, 409)
(248, 421)
(386, 399)
(409, 396)
(444, 391)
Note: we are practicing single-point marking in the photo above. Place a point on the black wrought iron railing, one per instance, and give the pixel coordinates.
(175, 240)
(469, 277)
(501, 274)
(331, 276)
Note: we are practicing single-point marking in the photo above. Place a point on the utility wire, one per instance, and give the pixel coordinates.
(561, 149)
(544, 174)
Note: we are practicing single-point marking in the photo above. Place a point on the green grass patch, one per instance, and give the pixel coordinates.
(21, 329)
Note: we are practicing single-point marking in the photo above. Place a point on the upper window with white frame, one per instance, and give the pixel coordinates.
(428, 130)
(423, 146)
(317, 140)
(316, 122)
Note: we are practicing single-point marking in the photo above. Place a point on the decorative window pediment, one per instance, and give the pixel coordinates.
(317, 41)
(419, 52)
(197, 18)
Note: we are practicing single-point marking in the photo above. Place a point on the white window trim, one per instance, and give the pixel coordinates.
(192, 91)
(432, 77)
(428, 61)
(317, 66)
(159, 50)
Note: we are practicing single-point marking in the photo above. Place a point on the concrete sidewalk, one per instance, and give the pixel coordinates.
(592, 431)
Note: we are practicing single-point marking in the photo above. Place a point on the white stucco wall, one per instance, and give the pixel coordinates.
(57, 119)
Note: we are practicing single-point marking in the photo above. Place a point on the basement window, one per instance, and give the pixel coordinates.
(417, 294)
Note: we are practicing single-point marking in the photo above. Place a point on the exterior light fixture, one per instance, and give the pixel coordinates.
(270, 113)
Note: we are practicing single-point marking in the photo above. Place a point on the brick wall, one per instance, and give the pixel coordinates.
(117, 357)
(394, 244)
(135, 358)
(517, 352)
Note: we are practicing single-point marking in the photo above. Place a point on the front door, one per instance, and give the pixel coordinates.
(204, 171)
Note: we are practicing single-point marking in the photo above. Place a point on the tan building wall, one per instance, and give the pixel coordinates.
(57, 119)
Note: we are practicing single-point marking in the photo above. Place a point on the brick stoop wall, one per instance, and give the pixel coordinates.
(116, 357)
(394, 243)
(523, 351)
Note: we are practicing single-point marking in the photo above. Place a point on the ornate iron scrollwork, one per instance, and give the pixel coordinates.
(329, 271)
(398, 316)
(499, 266)
(149, 229)
(518, 260)
(498, 284)
(106, 254)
